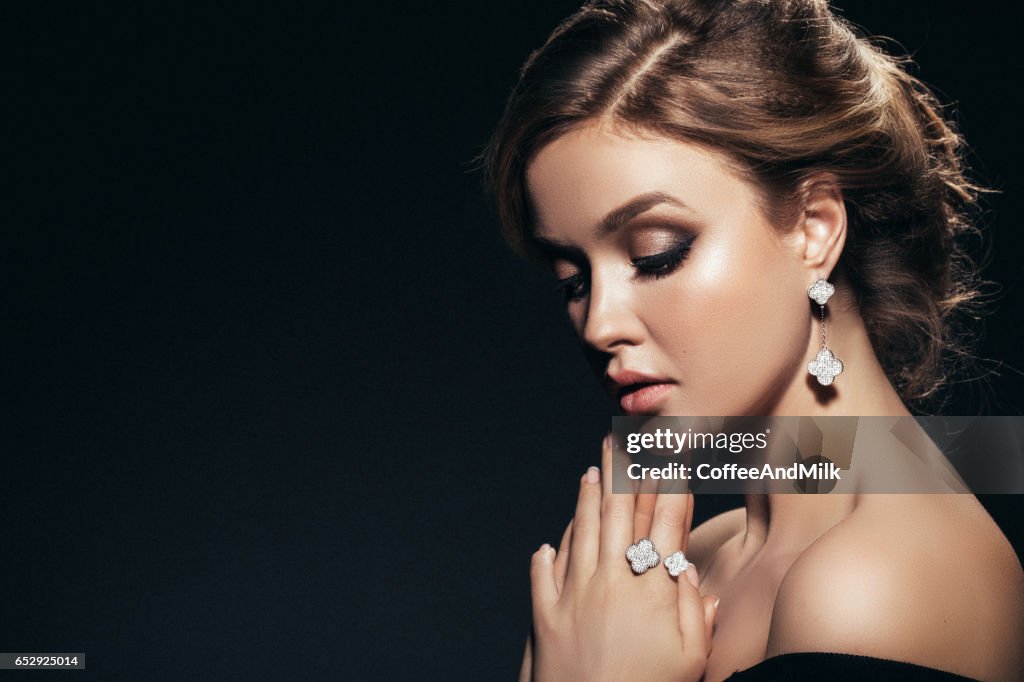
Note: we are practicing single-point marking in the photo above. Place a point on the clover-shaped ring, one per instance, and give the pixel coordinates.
(676, 564)
(642, 555)
(825, 367)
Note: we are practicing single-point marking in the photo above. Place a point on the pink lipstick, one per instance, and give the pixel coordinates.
(638, 393)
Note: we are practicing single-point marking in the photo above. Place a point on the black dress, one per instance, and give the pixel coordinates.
(829, 667)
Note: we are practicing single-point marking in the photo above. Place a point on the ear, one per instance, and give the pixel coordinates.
(822, 223)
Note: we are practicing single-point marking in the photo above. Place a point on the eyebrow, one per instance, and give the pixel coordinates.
(618, 217)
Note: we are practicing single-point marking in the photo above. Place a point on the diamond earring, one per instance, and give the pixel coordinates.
(826, 366)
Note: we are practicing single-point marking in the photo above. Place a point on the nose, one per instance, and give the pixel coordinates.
(610, 320)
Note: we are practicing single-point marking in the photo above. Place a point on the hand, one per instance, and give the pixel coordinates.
(594, 619)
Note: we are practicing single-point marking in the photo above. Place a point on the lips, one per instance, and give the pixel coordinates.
(638, 393)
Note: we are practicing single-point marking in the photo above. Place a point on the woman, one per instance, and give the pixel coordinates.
(689, 169)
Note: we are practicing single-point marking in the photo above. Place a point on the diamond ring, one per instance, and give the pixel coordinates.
(642, 555)
(676, 564)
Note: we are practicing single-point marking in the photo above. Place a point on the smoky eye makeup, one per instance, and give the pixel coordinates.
(660, 253)
(573, 288)
(568, 264)
(652, 251)
(572, 278)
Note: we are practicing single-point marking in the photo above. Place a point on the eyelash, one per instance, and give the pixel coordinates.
(572, 288)
(648, 267)
(662, 264)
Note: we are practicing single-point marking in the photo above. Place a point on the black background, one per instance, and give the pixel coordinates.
(280, 402)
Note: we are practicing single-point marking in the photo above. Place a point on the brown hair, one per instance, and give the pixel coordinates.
(788, 91)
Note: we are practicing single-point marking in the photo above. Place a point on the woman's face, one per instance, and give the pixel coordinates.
(672, 272)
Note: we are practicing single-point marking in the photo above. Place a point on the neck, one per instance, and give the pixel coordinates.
(863, 389)
(790, 521)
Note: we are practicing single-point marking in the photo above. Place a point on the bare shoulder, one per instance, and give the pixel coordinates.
(927, 579)
(709, 536)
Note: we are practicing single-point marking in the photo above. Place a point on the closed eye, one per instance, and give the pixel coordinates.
(574, 287)
(664, 263)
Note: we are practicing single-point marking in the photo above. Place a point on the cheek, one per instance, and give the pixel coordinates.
(737, 322)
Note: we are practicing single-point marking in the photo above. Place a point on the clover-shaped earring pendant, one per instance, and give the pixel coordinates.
(642, 556)
(821, 291)
(826, 367)
(676, 564)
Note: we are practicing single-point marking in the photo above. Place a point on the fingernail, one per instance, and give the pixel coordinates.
(717, 601)
(546, 548)
(608, 440)
(593, 475)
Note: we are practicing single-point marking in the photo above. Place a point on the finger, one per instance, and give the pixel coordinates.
(616, 515)
(710, 615)
(586, 530)
(643, 516)
(526, 667)
(542, 580)
(562, 559)
(620, 470)
(688, 524)
(691, 614)
(619, 465)
(693, 576)
(669, 522)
